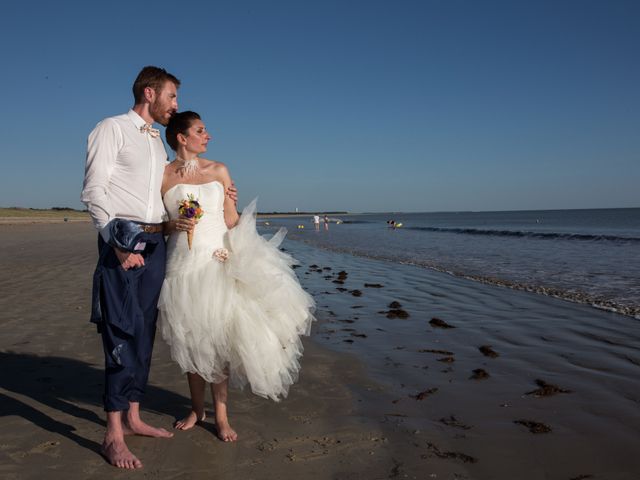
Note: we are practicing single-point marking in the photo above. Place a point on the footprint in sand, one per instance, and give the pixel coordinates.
(48, 448)
(435, 451)
(452, 421)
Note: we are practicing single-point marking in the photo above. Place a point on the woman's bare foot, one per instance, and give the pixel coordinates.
(225, 432)
(118, 454)
(220, 391)
(140, 428)
(189, 421)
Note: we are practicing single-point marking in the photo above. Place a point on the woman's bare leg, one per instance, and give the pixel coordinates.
(196, 387)
(220, 391)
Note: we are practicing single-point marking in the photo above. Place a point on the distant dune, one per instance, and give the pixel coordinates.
(34, 215)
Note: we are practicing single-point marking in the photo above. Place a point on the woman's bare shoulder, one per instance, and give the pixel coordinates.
(213, 167)
(212, 164)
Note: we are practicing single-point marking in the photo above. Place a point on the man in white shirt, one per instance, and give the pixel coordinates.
(123, 176)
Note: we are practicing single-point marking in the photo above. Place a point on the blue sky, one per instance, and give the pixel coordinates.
(342, 105)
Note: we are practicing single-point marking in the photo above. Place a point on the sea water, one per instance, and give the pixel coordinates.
(587, 256)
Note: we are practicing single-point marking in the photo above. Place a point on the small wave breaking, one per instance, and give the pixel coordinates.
(530, 234)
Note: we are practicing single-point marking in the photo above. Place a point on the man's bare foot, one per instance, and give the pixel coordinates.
(225, 432)
(118, 454)
(189, 421)
(141, 428)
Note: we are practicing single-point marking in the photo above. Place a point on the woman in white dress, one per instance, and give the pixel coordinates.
(231, 308)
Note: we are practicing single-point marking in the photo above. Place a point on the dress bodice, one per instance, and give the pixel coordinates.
(210, 230)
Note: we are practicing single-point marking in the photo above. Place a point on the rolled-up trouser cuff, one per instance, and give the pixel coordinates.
(116, 403)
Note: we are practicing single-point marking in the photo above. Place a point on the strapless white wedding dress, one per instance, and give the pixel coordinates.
(241, 318)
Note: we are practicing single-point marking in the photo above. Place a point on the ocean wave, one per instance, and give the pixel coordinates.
(529, 234)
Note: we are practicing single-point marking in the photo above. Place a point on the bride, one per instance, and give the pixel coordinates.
(231, 308)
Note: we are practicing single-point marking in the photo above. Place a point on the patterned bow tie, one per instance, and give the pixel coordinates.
(147, 128)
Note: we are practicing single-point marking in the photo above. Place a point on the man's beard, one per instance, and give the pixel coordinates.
(158, 113)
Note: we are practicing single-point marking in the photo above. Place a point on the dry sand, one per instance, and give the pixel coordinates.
(378, 397)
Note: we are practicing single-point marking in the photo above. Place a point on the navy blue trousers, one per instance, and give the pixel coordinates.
(128, 308)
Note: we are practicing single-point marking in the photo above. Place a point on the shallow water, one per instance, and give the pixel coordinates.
(588, 256)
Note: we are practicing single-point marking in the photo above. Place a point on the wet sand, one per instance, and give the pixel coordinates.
(456, 380)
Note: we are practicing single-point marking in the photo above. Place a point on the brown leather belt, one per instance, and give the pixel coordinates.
(151, 227)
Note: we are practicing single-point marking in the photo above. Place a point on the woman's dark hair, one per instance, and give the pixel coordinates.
(179, 123)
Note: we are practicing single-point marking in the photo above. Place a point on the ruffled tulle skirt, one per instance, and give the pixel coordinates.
(241, 318)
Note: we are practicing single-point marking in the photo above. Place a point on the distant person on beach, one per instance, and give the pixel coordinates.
(326, 222)
(316, 222)
(123, 174)
(231, 308)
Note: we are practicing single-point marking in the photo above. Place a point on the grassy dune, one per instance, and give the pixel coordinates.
(29, 213)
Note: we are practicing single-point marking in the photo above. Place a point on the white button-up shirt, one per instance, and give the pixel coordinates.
(124, 172)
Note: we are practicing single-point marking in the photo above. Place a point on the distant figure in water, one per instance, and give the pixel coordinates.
(326, 223)
(391, 223)
(316, 222)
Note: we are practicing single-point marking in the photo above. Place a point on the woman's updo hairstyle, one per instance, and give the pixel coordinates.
(179, 123)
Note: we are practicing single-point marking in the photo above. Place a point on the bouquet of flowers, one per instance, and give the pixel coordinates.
(190, 208)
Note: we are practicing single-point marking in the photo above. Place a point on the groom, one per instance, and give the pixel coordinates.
(123, 176)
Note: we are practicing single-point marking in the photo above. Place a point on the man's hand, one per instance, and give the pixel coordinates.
(232, 193)
(129, 260)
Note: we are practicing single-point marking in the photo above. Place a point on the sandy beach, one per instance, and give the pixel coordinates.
(409, 373)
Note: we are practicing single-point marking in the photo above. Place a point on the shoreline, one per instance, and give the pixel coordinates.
(577, 297)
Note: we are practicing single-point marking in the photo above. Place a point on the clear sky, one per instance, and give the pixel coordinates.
(342, 105)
